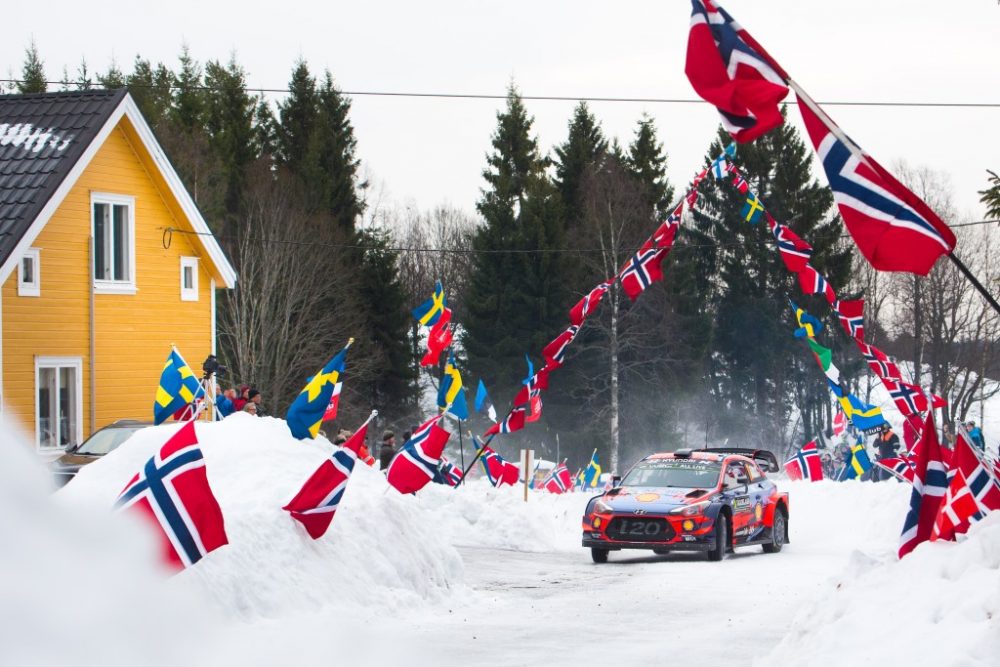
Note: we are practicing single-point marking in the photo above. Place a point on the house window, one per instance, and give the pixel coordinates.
(58, 402)
(189, 278)
(114, 243)
(29, 274)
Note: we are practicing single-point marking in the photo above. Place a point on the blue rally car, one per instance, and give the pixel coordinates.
(707, 500)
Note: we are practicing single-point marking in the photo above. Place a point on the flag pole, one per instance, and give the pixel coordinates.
(975, 283)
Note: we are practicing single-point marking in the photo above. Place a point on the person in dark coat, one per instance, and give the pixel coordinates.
(887, 444)
(975, 435)
(387, 450)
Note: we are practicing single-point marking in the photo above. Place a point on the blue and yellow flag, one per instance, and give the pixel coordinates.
(592, 473)
(809, 326)
(451, 392)
(178, 387)
(859, 464)
(752, 208)
(305, 414)
(864, 417)
(429, 312)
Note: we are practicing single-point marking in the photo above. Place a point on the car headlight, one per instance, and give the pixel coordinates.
(691, 510)
(602, 507)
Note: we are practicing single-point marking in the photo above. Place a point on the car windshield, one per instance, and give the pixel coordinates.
(683, 473)
(106, 440)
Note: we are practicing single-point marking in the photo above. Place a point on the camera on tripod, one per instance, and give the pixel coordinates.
(213, 367)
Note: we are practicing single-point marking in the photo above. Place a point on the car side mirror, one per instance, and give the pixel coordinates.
(616, 481)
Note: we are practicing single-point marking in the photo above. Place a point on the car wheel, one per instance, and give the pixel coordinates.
(778, 532)
(599, 555)
(718, 552)
(661, 552)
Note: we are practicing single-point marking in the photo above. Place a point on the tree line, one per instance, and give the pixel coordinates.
(704, 358)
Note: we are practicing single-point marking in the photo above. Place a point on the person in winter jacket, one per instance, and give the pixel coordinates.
(224, 401)
(387, 450)
(975, 435)
(887, 444)
(241, 399)
(254, 396)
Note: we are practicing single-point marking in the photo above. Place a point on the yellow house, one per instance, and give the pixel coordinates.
(93, 292)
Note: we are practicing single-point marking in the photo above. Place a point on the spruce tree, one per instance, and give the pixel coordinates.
(298, 115)
(647, 162)
(515, 301)
(584, 147)
(189, 96)
(113, 79)
(83, 79)
(151, 90)
(32, 72)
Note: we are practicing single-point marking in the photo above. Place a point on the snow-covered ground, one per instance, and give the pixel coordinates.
(467, 576)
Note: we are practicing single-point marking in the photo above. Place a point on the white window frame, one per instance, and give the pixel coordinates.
(59, 362)
(33, 288)
(189, 294)
(102, 286)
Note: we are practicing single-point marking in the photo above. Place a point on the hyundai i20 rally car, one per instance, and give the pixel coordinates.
(688, 501)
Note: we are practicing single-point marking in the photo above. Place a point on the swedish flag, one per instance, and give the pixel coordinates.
(451, 391)
(592, 473)
(859, 464)
(430, 311)
(809, 326)
(178, 387)
(305, 414)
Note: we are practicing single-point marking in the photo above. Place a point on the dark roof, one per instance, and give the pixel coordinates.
(41, 137)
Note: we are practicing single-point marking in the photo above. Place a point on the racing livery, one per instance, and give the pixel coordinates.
(709, 501)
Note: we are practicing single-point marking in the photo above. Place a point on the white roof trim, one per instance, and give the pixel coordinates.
(126, 107)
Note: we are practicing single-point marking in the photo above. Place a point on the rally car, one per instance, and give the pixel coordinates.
(688, 500)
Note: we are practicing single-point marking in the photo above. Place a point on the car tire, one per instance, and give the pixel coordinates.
(779, 531)
(661, 552)
(599, 555)
(718, 552)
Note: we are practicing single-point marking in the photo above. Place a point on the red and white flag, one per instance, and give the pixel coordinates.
(930, 483)
(839, 423)
(973, 491)
(318, 499)
(416, 463)
(806, 464)
(439, 337)
(171, 492)
(559, 480)
(588, 304)
(331, 409)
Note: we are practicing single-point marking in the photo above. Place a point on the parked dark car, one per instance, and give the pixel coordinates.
(100, 443)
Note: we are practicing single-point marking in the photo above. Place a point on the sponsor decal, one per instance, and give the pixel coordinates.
(647, 497)
(741, 504)
(758, 510)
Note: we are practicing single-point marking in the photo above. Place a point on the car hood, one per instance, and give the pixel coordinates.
(73, 461)
(654, 499)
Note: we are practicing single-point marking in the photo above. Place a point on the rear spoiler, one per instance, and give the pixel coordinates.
(764, 458)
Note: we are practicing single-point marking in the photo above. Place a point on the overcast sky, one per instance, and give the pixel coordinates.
(431, 151)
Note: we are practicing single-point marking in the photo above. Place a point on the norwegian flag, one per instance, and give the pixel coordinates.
(839, 423)
(930, 483)
(806, 464)
(739, 180)
(878, 361)
(172, 493)
(691, 198)
(892, 227)
(912, 425)
(910, 398)
(851, 314)
(318, 499)
(588, 304)
(559, 480)
(795, 252)
(331, 409)
(438, 339)
(973, 492)
(512, 422)
(498, 470)
(812, 282)
(642, 270)
(416, 463)
(450, 473)
(901, 467)
(729, 69)
(535, 384)
(555, 352)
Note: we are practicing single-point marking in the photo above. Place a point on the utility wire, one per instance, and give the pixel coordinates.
(544, 98)
(169, 231)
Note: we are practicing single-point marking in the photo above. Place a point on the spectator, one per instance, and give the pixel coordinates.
(975, 435)
(887, 444)
(251, 407)
(387, 450)
(241, 398)
(947, 436)
(224, 401)
(253, 395)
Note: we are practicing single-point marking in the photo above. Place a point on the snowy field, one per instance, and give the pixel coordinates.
(473, 576)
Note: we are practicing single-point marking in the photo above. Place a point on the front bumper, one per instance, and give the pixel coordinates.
(615, 545)
(678, 533)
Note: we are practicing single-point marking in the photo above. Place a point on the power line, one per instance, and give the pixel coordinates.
(542, 98)
(169, 231)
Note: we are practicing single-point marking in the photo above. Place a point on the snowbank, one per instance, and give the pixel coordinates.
(381, 550)
(938, 606)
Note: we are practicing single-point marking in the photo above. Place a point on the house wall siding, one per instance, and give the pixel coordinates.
(133, 332)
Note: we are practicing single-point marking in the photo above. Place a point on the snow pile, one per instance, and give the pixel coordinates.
(476, 514)
(381, 550)
(76, 584)
(938, 606)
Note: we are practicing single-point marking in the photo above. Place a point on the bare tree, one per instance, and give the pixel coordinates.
(276, 327)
